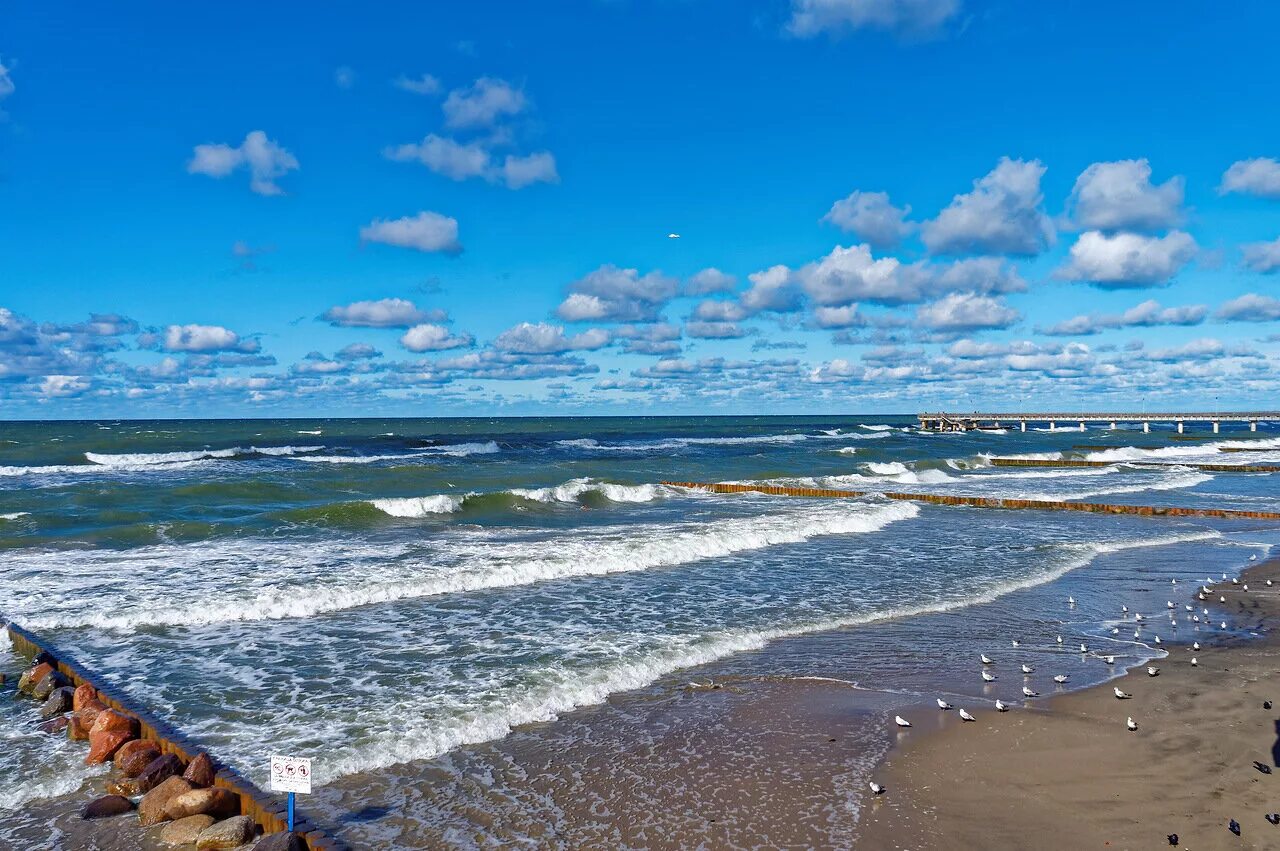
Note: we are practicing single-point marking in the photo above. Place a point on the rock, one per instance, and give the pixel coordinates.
(50, 681)
(90, 711)
(54, 725)
(33, 675)
(219, 803)
(111, 720)
(200, 772)
(127, 788)
(185, 830)
(231, 833)
(76, 729)
(84, 694)
(283, 841)
(104, 807)
(151, 810)
(159, 770)
(108, 733)
(58, 702)
(135, 756)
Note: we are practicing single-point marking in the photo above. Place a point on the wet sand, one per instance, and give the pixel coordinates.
(1066, 773)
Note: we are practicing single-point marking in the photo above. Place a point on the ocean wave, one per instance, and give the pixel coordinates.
(418, 506)
(675, 443)
(846, 450)
(1210, 450)
(453, 450)
(572, 491)
(134, 460)
(14, 515)
(477, 565)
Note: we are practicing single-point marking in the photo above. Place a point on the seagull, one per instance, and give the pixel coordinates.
(876, 788)
(1195, 618)
(900, 721)
(1190, 608)
(1015, 643)
(1001, 706)
(1221, 599)
(1110, 660)
(989, 678)
(1222, 625)
(1201, 596)
(1235, 581)
(1131, 724)
(1059, 639)
(1137, 617)
(1268, 583)
(965, 716)
(1224, 576)
(1027, 669)
(1029, 693)
(942, 704)
(1060, 678)
(673, 236)
(1244, 587)
(1084, 649)
(1153, 671)
(1170, 604)
(1120, 695)
(1174, 582)
(1071, 601)
(1124, 609)
(1194, 663)
(1195, 645)
(1253, 557)
(1115, 630)
(1157, 639)
(986, 660)
(1137, 633)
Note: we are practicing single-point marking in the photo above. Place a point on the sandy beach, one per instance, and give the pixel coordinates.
(1066, 773)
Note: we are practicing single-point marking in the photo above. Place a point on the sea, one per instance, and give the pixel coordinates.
(493, 633)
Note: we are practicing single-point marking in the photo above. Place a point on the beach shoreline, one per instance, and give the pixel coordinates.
(1065, 772)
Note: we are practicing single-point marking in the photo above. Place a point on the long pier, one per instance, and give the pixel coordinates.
(988, 421)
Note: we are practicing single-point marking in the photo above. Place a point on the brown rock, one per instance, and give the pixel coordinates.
(112, 720)
(200, 772)
(127, 788)
(84, 694)
(33, 675)
(151, 810)
(90, 711)
(283, 841)
(76, 729)
(219, 803)
(47, 684)
(54, 725)
(108, 733)
(135, 755)
(231, 833)
(184, 831)
(109, 805)
(58, 702)
(159, 770)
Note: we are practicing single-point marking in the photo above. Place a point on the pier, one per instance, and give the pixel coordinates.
(979, 421)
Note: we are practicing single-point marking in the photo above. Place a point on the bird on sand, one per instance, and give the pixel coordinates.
(876, 788)
(1060, 679)
(1195, 645)
(1131, 724)
(1268, 583)
(965, 716)
(1157, 639)
(942, 704)
(1001, 706)
(1120, 695)
(1027, 669)
(1153, 671)
(1194, 663)
(1274, 818)
(1244, 587)
(988, 678)
(1221, 599)
(1262, 766)
(1027, 692)
(900, 721)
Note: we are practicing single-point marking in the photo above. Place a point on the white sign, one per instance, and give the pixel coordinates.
(291, 774)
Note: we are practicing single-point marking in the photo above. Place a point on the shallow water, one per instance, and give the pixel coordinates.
(395, 597)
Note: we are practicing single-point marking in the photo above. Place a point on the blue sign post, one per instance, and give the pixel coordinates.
(291, 812)
(291, 774)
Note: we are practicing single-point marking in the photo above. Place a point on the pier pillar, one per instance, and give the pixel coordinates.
(1146, 426)
(1082, 425)
(1053, 426)
(1253, 425)
(1113, 426)
(1179, 426)
(1024, 425)
(1215, 427)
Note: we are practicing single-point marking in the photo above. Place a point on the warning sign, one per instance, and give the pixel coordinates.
(291, 774)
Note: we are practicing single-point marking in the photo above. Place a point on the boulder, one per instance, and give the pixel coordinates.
(108, 733)
(84, 694)
(106, 806)
(90, 711)
(136, 755)
(283, 841)
(185, 830)
(231, 833)
(200, 772)
(159, 770)
(54, 725)
(151, 810)
(48, 683)
(58, 702)
(219, 803)
(77, 731)
(33, 675)
(110, 719)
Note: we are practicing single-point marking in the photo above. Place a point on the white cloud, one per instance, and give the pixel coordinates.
(771, 290)
(423, 85)
(978, 274)
(1251, 307)
(871, 217)
(1120, 196)
(840, 317)
(811, 17)
(1002, 215)
(62, 386)
(1145, 315)
(1260, 176)
(1262, 256)
(708, 281)
(265, 159)
(716, 330)
(433, 338)
(544, 338)
(965, 312)
(6, 81)
(454, 160)
(482, 103)
(426, 231)
(382, 313)
(720, 311)
(851, 274)
(519, 172)
(1127, 260)
(620, 295)
(205, 338)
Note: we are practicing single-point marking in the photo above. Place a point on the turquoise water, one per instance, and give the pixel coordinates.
(394, 593)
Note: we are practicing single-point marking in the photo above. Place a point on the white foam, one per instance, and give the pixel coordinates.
(462, 450)
(575, 489)
(14, 515)
(847, 450)
(418, 506)
(358, 459)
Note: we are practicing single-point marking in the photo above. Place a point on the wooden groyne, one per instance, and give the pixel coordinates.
(987, 501)
(266, 810)
(1070, 462)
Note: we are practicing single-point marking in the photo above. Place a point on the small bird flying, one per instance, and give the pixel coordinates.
(1274, 818)
(1016, 643)
(673, 236)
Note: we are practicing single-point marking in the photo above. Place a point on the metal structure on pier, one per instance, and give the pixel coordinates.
(978, 421)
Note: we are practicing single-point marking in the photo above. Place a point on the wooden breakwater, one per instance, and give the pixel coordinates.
(267, 810)
(988, 501)
(1071, 462)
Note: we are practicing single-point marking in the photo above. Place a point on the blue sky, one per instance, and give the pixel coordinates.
(428, 209)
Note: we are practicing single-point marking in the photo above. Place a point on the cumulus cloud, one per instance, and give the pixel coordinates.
(463, 161)
(427, 231)
(965, 312)
(659, 338)
(1259, 176)
(543, 338)
(1262, 257)
(771, 290)
(1145, 315)
(357, 351)
(716, 330)
(708, 281)
(908, 17)
(382, 313)
(852, 274)
(205, 338)
(872, 218)
(1127, 260)
(1002, 215)
(433, 338)
(1251, 307)
(521, 171)
(1120, 196)
(621, 295)
(422, 85)
(265, 160)
(6, 80)
(483, 103)
(720, 311)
